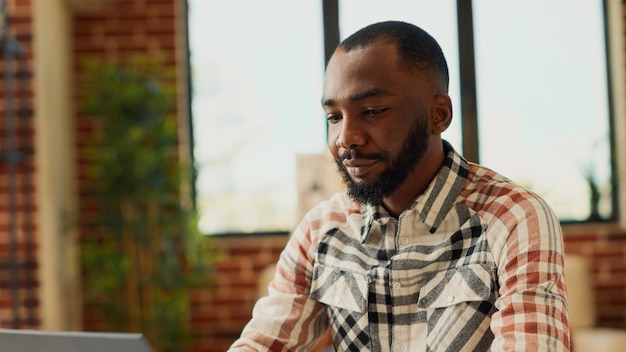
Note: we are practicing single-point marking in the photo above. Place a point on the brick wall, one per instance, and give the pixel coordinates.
(18, 294)
(219, 313)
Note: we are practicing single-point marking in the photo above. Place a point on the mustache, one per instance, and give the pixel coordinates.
(354, 154)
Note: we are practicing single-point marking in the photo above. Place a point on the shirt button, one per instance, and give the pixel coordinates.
(397, 284)
(450, 298)
(398, 348)
(404, 241)
(336, 299)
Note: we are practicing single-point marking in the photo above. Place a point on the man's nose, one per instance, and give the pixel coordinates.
(351, 134)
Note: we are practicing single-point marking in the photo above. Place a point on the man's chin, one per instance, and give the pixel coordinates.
(365, 192)
(361, 182)
(362, 189)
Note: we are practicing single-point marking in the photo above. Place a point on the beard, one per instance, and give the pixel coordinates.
(412, 152)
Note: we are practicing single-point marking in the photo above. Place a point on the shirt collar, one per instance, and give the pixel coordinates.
(436, 201)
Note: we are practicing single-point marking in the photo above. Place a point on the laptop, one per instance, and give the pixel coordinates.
(12, 340)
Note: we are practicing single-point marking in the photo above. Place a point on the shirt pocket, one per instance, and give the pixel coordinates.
(339, 288)
(467, 283)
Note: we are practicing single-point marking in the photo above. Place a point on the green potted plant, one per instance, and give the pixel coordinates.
(145, 251)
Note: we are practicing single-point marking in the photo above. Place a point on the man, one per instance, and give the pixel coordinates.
(425, 251)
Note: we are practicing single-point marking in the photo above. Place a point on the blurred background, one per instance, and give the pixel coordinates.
(155, 154)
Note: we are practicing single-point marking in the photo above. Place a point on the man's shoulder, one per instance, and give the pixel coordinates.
(488, 189)
(337, 211)
(489, 182)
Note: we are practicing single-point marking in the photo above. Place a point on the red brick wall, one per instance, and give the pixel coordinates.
(219, 313)
(25, 251)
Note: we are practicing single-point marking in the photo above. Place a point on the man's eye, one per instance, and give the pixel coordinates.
(372, 112)
(333, 118)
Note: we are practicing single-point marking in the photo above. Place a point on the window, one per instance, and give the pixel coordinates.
(257, 72)
(543, 101)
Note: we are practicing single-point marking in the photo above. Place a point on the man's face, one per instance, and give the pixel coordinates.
(378, 120)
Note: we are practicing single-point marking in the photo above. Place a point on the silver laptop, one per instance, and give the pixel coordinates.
(66, 341)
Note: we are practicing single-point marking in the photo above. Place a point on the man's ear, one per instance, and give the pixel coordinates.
(441, 114)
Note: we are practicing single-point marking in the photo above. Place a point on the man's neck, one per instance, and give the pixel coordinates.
(417, 181)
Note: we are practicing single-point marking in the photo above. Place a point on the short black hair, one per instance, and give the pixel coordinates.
(417, 50)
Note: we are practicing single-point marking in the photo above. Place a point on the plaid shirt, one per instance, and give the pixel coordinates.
(475, 264)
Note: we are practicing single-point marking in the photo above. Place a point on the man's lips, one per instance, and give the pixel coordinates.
(359, 167)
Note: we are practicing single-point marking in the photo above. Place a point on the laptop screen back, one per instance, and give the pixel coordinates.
(66, 341)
